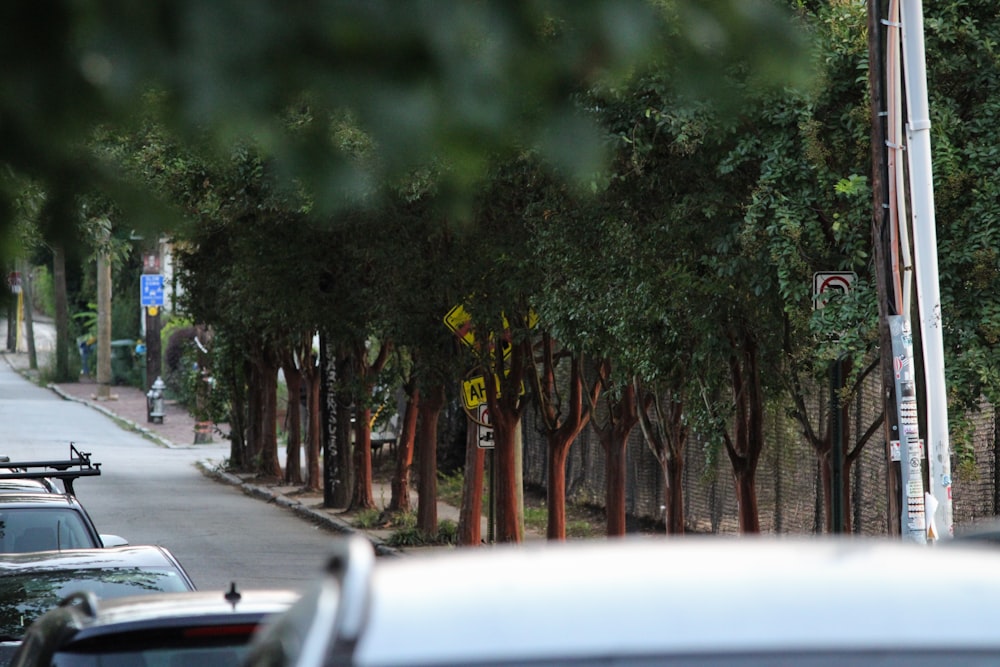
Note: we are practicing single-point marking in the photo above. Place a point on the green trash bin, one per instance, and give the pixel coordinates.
(122, 361)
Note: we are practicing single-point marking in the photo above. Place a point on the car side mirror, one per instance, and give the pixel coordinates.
(113, 541)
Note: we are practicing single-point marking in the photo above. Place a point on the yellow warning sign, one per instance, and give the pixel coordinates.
(460, 323)
(474, 391)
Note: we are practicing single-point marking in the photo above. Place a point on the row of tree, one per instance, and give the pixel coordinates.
(667, 285)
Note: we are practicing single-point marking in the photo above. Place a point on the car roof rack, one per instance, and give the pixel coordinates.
(77, 465)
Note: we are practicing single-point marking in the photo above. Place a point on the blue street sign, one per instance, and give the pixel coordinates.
(152, 290)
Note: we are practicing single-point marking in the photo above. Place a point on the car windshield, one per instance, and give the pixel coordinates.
(44, 529)
(25, 597)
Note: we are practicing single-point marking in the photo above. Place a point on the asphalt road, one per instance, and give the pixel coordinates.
(151, 494)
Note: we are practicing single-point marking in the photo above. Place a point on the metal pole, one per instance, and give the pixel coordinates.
(907, 449)
(836, 448)
(492, 519)
(940, 521)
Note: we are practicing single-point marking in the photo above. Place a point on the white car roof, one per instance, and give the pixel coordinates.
(688, 595)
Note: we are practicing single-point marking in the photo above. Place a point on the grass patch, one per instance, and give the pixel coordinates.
(449, 488)
(412, 536)
(536, 518)
(378, 519)
(581, 529)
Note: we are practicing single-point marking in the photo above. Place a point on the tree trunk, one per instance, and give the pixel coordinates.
(623, 415)
(667, 440)
(268, 465)
(561, 429)
(344, 460)
(505, 416)
(555, 499)
(614, 486)
(263, 391)
(431, 403)
(27, 291)
(293, 419)
(103, 326)
(362, 498)
(471, 515)
(747, 442)
(746, 497)
(255, 420)
(400, 500)
(365, 375)
(673, 475)
(314, 434)
(238, 417)
(62, 315)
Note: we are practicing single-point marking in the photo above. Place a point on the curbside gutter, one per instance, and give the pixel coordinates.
(317, 517)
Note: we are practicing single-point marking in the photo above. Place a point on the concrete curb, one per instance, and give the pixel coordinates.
(145, 432)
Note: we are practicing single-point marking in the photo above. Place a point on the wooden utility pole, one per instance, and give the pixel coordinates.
(151, 266)
(881, 244)
(104, 319)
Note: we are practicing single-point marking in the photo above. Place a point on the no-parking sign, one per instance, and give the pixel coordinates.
(485, 428)
(828, 283)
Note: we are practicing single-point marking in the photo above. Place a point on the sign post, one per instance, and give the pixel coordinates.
(825, 285)
(485, 441)
(151, 300)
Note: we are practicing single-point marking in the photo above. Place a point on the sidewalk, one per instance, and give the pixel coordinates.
(128, 406)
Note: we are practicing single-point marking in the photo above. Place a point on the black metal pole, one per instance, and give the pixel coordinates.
(491, 520)
(836, 448)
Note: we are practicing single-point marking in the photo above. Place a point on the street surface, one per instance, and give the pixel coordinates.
(152, 494)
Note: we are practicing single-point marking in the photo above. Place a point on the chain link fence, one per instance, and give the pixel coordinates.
(789, 482)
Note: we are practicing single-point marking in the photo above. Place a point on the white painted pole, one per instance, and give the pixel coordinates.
(918, 131)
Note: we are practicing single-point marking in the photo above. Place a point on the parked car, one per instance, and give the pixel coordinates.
(716, 602)
(48, 521)
(199, 629)
(32, 583)
(36, 516)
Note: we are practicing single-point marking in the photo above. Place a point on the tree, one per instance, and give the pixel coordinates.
(562, 422)
(488, 79)
(667, 436)
(365, 374)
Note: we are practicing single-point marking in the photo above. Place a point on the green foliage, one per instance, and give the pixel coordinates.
(411, 536)
(86, 321)
(172, 324)
(449, 487)
(446, 81)
(373, 518)
(580, 529)
(536, 518)
(44, 294)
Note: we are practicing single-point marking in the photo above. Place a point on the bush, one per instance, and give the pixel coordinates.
(177, 368)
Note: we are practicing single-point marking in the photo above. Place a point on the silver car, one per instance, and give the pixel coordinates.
(689, 601)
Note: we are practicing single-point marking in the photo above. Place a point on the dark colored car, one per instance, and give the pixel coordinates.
(36, 516)
(33, 583)
(210, 629)
(47, 522)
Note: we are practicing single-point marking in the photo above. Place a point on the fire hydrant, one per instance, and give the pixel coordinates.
(154, 401)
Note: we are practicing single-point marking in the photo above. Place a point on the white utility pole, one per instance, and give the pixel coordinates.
(918, 131)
